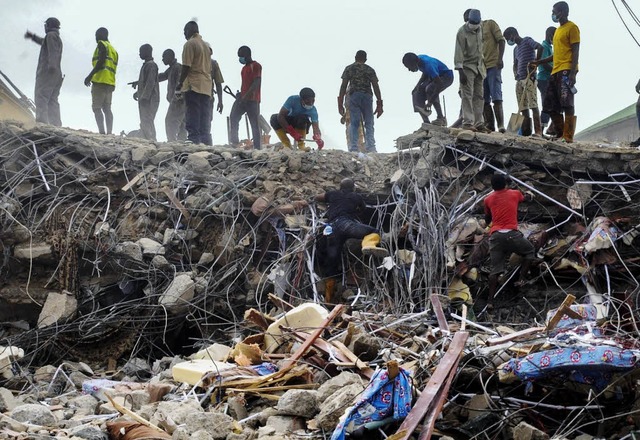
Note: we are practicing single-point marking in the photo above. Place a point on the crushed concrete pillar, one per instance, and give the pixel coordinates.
(58, 308)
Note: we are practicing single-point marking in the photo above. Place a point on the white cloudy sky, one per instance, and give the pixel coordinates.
(308, 44)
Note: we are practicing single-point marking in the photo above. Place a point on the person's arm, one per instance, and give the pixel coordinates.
(149, 78)
(54, 51)
(638, 87)
(33, 37)
(376, 91)
(515, 66)
(575, 54)
(282, 120)
(184, 72)
(341, 95)
(220, 106)
(102, 59)
(163, 76)
(501, 52)
(321, 198)
(487, 214)
(316, 130)
(458, 57)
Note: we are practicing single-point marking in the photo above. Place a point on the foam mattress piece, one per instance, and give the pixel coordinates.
(192, 371)
(305, 317)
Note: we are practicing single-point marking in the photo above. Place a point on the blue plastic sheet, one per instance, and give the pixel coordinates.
(382, 399)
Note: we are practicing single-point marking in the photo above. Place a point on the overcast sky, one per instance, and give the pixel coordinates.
(308, 44)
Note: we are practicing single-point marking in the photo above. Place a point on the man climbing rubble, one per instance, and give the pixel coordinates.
(297, 114)
(48, 74)
(435, 78)
(343, 216)
(501, 213)
(102, 80)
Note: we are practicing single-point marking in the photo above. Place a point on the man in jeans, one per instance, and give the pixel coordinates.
(501, 212)
(195, 83)
(436, 77)
(360, 78)
(248, 100)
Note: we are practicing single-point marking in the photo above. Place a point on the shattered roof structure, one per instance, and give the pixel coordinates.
(123, 255)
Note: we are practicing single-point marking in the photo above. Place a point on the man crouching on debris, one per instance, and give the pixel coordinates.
(501, 211)
(343, 216)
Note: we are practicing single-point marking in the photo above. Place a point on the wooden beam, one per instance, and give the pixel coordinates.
(337, 311)
(514, 336)
(427, 402)
(562, 310)
(172, 197)
(437, 309)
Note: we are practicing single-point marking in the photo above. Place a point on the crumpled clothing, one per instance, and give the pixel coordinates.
(589, 315)
(383, 398)
(604, 234)
(592, 365)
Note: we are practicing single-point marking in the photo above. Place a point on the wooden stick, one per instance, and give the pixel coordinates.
(514, 336)
(177, 203)
(555, 319)
(437, 308)
(337, 311)
(131, 414)
(280, 302)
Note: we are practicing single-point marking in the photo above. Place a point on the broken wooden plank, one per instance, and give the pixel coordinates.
(561, 311)
(437, 309)
(427, 400)
(514, 336)
(279, 302)
(177, 203)
(136, 179)
(259, 319)
(430, 419)
(131, 414)
(337, 311)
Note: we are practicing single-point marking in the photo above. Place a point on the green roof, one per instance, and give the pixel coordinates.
(625, 113)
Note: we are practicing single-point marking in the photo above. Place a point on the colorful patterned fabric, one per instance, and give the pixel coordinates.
(383, 398)
(589, 365)
(589, 315)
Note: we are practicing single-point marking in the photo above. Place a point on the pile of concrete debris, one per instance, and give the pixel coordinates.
(125, 260)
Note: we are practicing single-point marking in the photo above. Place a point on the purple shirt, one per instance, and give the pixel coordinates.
(523, 54)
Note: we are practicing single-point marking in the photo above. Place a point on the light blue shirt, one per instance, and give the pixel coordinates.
(294, 105)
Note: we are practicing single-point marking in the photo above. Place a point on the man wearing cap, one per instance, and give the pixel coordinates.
(469, 62)
(297, 114)
(48, 74)
(102, 79)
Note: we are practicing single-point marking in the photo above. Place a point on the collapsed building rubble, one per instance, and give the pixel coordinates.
(122, 257)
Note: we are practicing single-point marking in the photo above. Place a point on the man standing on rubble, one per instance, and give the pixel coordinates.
(436, 77)
(248, 100)
(469, 62)
(526, 51)
(174, 121)
(148, 93)
(49, 73)
(359, 79)
(343, 216)
(544, 73)
(501, 213)
(195, 83)
(297, 114)
(102, 80)
(493, 52)
(559, 98)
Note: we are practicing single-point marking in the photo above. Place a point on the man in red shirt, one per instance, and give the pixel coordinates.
(501, 211)
(248, 100)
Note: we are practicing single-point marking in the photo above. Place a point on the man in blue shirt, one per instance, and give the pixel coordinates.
(436, 77)
(297, 114)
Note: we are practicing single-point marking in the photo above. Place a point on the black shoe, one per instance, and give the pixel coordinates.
(635, 143)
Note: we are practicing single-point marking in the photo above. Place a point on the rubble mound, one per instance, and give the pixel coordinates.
(122, 256)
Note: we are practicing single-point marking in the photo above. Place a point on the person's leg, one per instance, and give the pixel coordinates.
(106, 109)
(419, 99)
(367, 114)
(542, 88)
(478, 102)
(486, 100)
(253, 113)
(552, 103)
(355, 115)
(237, 110)
(207, 117)
(567, 105)
(182, 130)
(172, 122)
(523, 247)
(54, 105)
(497, 254)
(537, 125)
(496, 97)
(143, 111)
(97, 102)
(466, 94)
(191, 116)
(280, 132)
(41, 100)
(301, 123)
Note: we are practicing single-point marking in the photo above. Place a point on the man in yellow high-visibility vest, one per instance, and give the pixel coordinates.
(103, 80)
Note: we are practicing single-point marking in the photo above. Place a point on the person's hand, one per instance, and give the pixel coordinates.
(178, 87)
(340, 106)
(378, 111)
(219, 107)
(572, 79)
(529, 195)
(135, 96)
(28, 35)
(133, 84)
(500, 64)
(463, 78)
(294, 133)
(317, 137)
(87, 81)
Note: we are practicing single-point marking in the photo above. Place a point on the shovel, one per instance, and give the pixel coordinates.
(517, 119)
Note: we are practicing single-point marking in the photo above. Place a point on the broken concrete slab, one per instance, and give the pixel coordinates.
(34, 414)
(32, 251)
(179, 292)
(57, 309)
(302, 403)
